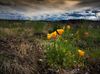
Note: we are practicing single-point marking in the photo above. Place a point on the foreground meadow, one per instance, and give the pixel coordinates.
(62, 47)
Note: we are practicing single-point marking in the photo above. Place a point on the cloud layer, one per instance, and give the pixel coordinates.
(51, 2)
(38, 9)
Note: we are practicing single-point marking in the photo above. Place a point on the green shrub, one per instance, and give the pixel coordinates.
(62, 51)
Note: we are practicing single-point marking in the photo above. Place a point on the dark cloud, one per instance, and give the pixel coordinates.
(93, 3)
(53, 3)
(46, 1)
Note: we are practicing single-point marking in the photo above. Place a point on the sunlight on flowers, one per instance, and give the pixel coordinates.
(60, 31)
(81, 53)
(54, 34)
(48, 36)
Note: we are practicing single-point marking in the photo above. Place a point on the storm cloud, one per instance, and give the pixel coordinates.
(51, 2)
(35, 7)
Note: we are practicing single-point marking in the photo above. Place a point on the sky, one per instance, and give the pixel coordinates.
(41, 7)
(52, 3)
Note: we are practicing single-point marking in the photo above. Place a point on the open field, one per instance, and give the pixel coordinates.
(26, 49)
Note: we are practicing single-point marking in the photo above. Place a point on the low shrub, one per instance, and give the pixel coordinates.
(62, 52)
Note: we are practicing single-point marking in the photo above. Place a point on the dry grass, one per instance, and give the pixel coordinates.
(19, 56)
(16, 31)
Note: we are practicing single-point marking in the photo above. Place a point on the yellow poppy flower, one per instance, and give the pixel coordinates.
(60, 31)
(81, 53)
(54, 34)
(68, 27)
(48, 36)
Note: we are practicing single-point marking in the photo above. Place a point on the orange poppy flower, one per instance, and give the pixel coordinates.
(81, 53)
(54, 34)
(48, 36)
(60, 31)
